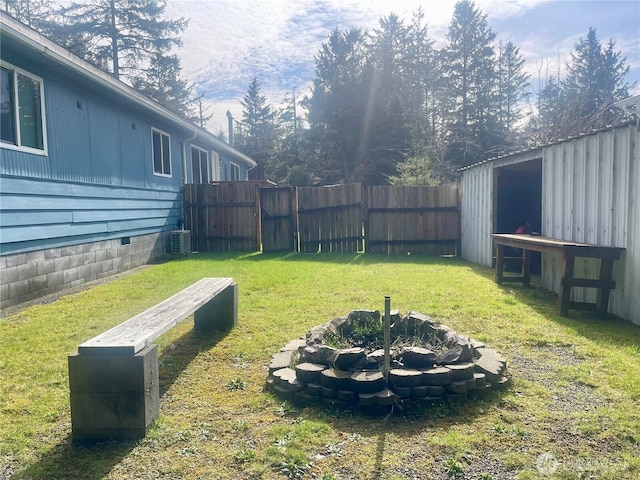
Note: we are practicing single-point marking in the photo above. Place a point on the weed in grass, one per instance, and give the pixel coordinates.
(282, 442)
(453, 467)
(332, 449)
(285, 409)
(183, 435)
(328, 476)
(240, 425)
(239, 362)
(236, 384)
(246, 455)
(499, 427)
(520, 432)
(294, 465)
(189, 451)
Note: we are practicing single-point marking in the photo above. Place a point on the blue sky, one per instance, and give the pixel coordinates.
(228, 42)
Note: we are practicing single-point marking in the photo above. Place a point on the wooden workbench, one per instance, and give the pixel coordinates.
(569, 250)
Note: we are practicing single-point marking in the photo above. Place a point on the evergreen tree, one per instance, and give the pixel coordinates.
(471, 78)
(259, 134)
(595, 80)
(385, 133)
(513, 88)
(33, 13)
(162, 83)
(414, 171)
(337, 106)
(549, 122)
(421, 75)
(129, 33)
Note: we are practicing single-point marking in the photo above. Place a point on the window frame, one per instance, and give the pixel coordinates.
(153, 153)
(211, 165)
(234, 167)
(215, 166)
(16, 102)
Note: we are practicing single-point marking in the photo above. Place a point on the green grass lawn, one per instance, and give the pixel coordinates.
(571, 408)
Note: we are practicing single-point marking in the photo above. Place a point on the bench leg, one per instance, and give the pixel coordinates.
(602, 298)
(499, 263)
(221, 313)
(564, 295)
(113, 397)
(526, 267)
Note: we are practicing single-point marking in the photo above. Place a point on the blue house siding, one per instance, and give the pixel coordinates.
(93, 142)
(89, 204)
(62, 214)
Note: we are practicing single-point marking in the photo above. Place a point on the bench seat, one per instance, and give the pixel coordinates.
(114, 378)
(133, 335)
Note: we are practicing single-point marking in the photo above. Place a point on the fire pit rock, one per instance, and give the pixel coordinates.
(341, 363)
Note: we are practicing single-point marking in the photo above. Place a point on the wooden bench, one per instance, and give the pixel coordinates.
(113, 378)
(569, 251)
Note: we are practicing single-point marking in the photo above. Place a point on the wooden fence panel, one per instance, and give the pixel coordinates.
(277, 212)
(241, 216)
(418, 220)
(190, 211)
(222, 216)
(330, 218)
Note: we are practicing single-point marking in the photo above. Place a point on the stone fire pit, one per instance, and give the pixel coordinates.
(340, 364)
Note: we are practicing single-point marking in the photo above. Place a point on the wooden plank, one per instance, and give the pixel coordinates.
(564, 295)
(606, 285)
(134, 334)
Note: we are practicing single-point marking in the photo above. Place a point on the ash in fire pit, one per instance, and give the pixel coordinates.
(342, 363)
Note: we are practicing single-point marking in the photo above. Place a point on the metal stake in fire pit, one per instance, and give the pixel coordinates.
(387, 338)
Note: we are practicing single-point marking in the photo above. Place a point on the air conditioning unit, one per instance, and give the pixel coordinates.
(180, 242)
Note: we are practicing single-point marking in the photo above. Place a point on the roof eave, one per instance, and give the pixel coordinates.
(62, 56)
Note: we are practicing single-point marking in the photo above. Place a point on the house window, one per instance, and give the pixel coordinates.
(200, 165)
(22, 124)
(161, 153)
(235, 172)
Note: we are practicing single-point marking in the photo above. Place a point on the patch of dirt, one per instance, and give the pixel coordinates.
(567, 396)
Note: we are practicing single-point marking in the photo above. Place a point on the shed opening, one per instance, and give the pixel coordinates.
(519, 201)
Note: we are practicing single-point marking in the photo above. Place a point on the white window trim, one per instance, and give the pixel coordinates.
(233, 167)
(20, 148)
(208, 162)
(153, 167)
(215, 161)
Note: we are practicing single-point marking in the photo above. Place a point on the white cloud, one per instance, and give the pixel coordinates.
(229, 42)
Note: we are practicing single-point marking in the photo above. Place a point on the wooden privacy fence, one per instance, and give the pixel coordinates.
(252, 216)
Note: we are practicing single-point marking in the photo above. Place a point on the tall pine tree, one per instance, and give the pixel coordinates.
(513, 89)
(258, 134)
(337, 105)
(129, 33)
(595, 80)
(471, 77)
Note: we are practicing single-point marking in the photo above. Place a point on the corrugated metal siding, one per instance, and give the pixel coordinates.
(477, 214)
(590, 194)
(37, 214)
(92, 141)
(68, 135)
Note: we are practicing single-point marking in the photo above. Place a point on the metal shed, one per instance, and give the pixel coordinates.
(584, 189)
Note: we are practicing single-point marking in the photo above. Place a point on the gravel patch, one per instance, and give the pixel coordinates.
(567, 397)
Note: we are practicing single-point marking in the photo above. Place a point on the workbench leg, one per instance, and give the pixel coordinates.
(564, 295)
(526, 267)
(602, 298)
(499, 263)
